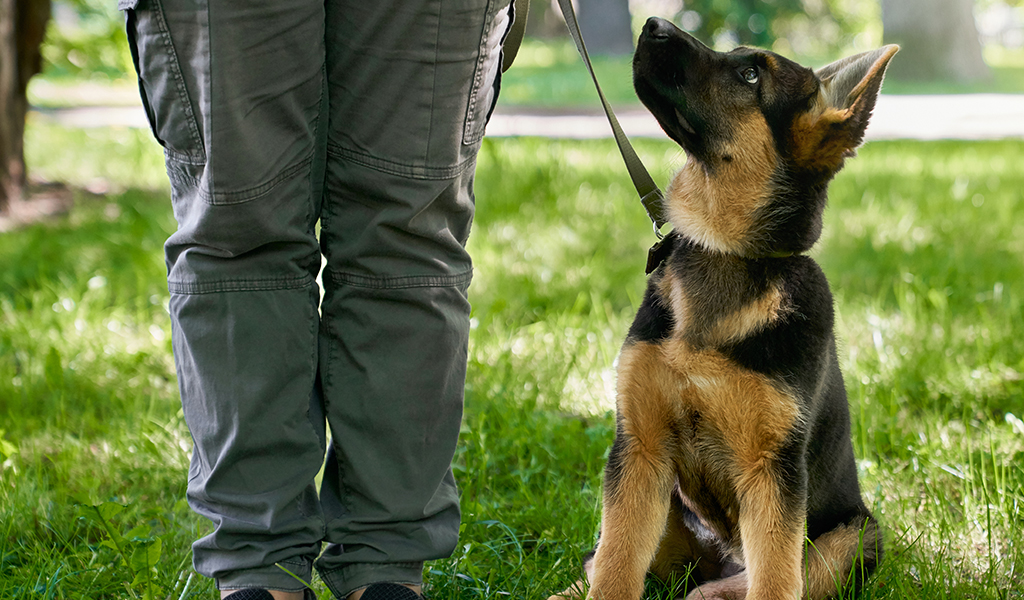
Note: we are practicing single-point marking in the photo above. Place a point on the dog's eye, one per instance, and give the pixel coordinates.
(749, 75)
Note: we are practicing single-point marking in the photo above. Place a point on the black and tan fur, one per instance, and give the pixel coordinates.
(732, 458)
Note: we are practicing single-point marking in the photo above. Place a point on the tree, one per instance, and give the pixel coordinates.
(22, 29)
(938, 39)
(818, 28)
(606, 24)
(747, 22)
(545, 20)
(606, 27)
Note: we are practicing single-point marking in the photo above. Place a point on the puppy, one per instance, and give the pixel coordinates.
(732, 464)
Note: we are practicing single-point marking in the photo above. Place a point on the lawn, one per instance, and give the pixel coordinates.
(924, 247)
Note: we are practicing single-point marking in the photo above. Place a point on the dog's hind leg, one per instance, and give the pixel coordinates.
(579, 589)
(842, 558)
(730, 588)
(835, 563)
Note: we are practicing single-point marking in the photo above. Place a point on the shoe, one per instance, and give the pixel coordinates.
(389, 591)
(250, 594)
(262, 594)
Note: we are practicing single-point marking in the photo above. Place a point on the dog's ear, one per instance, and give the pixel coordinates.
(848, 80)
(852, 84)
(835, 125)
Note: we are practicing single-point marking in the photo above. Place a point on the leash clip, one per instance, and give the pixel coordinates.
(653, 203)
(658, 253)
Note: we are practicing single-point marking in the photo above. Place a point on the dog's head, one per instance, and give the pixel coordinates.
(764, 136)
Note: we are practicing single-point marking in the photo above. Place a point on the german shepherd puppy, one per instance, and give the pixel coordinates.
(732, 462)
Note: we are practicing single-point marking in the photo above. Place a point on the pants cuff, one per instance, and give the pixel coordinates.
(345, 580)
(273, 577)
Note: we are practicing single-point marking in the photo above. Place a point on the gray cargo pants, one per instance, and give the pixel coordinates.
(364, 116)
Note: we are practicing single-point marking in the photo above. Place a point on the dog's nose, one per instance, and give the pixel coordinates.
(657, 29)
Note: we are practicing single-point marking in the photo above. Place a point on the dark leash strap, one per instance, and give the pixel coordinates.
(520, 10)
(650, 194)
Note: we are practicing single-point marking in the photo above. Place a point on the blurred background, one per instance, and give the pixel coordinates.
(67, 58)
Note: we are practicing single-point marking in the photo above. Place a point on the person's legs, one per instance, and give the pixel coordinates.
(410, 85)
(235, 90)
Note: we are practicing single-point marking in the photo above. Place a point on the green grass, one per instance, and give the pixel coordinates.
(923, 247)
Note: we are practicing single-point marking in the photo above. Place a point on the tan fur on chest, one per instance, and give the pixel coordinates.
(705, 380)
(662, 386)
(717, 426)
(716, 206)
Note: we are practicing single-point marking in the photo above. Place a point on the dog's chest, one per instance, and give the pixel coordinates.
(717, 419)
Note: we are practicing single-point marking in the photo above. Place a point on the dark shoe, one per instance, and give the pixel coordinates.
(261, 594)
(389, 591)
(250, 594)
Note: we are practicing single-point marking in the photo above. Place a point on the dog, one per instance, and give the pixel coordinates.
(732, 464)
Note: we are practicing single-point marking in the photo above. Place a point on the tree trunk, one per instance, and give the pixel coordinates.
(22, 29)
(545, 20)
(606, 27)
(938, 39)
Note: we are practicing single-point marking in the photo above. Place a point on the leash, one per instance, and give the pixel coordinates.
(520, 10)
(651, 196)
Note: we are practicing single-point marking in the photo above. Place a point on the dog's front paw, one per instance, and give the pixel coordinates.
(730, 588)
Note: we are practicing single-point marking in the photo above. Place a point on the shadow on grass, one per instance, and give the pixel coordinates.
(82, 328)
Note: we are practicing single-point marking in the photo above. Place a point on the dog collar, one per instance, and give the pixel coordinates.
(778, 255)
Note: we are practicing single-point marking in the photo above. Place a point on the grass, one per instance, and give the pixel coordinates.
(923, 247)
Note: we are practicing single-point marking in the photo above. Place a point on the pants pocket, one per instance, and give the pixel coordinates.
(233, 86)
(412, 82)
(487, 78)
(162, 83)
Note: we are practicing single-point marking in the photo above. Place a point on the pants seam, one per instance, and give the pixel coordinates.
(400, 169)
(471, 133)
(260, 577)
(373, 566)
(257, 191)
(239, 285)
(433, 81)
(410, 281)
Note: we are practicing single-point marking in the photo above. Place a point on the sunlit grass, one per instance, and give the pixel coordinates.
(923, 247)
(103, 159)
